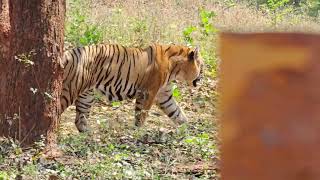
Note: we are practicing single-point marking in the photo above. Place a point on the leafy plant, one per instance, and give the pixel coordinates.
(187, 34)
(80, 31)
(176, 92)
(79, 145)
(139, 26)
(201, 142)
(230, 3)
(116, 104)
(30, 170)
(203, 33)
(276, 4)
(98, 96)
(205, 24)
(278, 10)
(205, 27)
(4, 175)
(313, 7)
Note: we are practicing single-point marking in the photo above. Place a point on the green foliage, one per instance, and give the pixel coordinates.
(211, 61)
(274, 5)
(139, 26)
(116, 104)
(274, 2)
(30, 170)
(98, 96)
(176, 92)
(126, 29)
(4, 175)
(201, 143)
(204, 32)
(229, 3)
(281, 8)
(278, 10)
(26, 160)
(140, 29)
(129, 154)
(80, 31)
(206, 25)
(77, 145)
(187, 34)
(313, 7)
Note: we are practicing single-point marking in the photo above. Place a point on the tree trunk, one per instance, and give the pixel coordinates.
(270, 101)
(31, 45)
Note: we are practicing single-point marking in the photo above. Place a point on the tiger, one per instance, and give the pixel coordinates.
(118, 72)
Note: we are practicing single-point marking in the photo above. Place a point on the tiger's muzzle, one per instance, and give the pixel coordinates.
(194, 82)
(198, 79)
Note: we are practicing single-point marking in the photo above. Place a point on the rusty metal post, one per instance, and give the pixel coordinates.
(270, 106)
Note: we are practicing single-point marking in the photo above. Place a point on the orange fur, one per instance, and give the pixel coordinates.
(106, 68)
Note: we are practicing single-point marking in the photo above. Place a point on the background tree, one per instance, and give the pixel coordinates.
(31, 44)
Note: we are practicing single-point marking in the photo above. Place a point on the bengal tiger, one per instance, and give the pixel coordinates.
(120, 72)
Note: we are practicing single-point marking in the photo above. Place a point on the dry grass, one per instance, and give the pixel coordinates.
(135, 22)
(115, 149)
(141, 21)
(242, 18)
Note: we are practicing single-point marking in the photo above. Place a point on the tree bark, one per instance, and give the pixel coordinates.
(31, 45)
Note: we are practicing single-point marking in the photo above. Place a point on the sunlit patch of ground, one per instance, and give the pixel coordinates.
(115, 149)
(159, 148)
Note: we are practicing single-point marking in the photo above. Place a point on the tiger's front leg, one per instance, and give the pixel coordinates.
(169, 106)
(83, 105)
(144, 102)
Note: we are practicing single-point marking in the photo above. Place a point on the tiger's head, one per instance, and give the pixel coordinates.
(188, 65)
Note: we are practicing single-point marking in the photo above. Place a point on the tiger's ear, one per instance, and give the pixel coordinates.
(194, 54)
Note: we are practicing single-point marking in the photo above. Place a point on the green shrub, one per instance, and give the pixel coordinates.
(79, 30)
(201, 143)
(278, 10)
(203, 34)
(313, 7)
(187, 34)
(206, 25)
(176, 92)
(4, 175)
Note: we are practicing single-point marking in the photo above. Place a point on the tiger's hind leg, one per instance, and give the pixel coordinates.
(169, 106)
(83, 105)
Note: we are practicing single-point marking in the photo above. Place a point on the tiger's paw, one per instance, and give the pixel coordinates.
(180, 120)
(82, 127)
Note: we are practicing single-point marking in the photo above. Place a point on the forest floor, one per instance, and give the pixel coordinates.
(115, 149)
